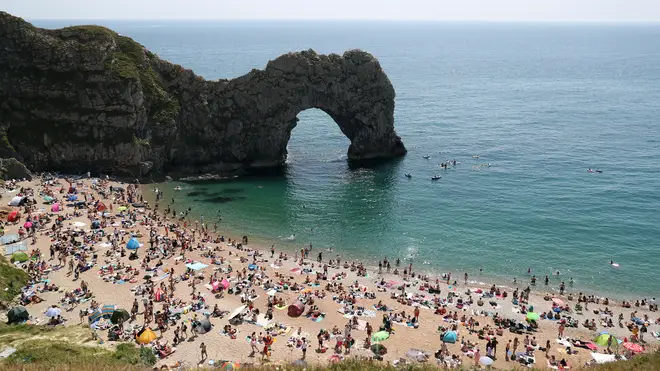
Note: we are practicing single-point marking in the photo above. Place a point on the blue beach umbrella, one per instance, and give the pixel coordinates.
(107, 310)
(450, 337)
(95, 316)
(72, 198)
(133, 244)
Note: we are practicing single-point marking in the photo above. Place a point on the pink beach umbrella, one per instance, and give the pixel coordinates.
(55, 208)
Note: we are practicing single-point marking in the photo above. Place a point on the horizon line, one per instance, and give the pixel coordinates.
(588, 21)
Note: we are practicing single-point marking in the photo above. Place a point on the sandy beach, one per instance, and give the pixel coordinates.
(169, 249)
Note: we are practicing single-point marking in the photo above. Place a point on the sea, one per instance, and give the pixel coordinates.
(525, 109)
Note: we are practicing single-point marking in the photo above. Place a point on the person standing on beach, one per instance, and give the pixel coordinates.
(303, 347)
(202, 346)
(561, 330)
(515, 344)
(416, 312)
(465, 278)
(507, 350)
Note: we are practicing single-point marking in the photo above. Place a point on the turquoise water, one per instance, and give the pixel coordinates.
(540, 103)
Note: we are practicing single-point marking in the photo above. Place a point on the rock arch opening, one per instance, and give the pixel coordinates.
(316, 138)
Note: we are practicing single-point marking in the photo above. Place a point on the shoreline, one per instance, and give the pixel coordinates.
(483, 282)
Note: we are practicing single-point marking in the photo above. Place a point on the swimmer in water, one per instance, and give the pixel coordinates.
(529, 270)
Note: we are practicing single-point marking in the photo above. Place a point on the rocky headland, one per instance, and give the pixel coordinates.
(85, 98)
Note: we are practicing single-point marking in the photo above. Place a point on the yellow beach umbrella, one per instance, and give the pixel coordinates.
(146, 337)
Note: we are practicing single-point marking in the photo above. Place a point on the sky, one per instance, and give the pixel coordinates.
(448, 10)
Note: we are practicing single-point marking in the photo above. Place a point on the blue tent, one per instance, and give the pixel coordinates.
(133, 244)
(96, 224)
(252, 267)
(449, 337)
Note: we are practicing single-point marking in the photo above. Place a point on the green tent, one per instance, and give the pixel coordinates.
(17, 315)
(119, 315)
(602, 340)
(19, 256)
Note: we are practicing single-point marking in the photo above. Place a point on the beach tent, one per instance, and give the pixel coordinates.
(48, 199)
(55, 207)
(133, 244)
(450, 337)
(19, 256)
(16, 247)
(121, 208)
(17, 315)
(296, 309)
(602, 340)
(13, 216)
(96, 224)
(137, 205)
(203, 326)
(100, 207)
(252, 267)
(145, 336)
(196, 266)
(119, 315)
(9, 238)
(17, 201)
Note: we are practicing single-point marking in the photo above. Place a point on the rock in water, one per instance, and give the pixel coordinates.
(85, 98)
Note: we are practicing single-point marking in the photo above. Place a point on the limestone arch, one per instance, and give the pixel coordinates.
(352, 89)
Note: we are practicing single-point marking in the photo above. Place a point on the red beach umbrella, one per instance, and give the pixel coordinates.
(633, 347)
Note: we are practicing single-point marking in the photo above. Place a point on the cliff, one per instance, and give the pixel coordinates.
(85, 98)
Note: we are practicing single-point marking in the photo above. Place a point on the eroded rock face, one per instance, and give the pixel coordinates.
(87, 99)
(11, 168)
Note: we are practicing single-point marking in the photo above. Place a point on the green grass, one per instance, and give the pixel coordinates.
(132, 61)
(46, 348)
(11, 280)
